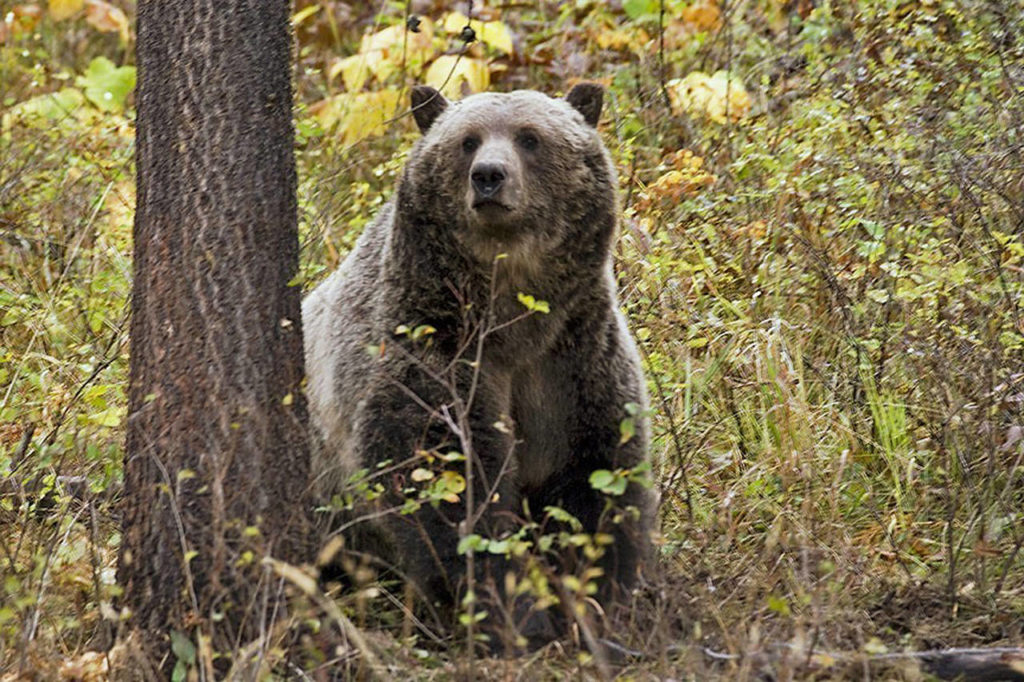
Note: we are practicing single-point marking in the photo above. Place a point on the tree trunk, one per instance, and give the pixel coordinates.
(216, 466)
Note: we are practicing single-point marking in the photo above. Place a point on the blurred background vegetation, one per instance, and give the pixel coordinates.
(821, 257)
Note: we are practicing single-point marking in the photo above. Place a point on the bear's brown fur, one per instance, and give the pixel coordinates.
(504, 194)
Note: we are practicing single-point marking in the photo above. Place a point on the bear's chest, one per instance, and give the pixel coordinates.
(542, 406)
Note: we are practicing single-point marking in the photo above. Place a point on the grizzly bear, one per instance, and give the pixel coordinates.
(477, 318)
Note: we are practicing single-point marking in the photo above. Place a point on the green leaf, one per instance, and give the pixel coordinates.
(107, 86)
(498, 546)
(183, 648)
(562, 516)
(637, 8)
(779, 605)
(601, 478)
(608, 482)
(421, 331)
(627, 429)
(472, 542)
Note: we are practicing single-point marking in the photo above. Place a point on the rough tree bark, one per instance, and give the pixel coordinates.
(216, 443)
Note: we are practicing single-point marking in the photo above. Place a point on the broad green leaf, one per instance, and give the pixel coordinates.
(472, 542)
(601, 478)
(635, 9)
(107, 86)
(183, 648)
(608, 482)
(498, 546)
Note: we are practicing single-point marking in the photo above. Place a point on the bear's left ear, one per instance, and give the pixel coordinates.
(427, 105)
(587, 98)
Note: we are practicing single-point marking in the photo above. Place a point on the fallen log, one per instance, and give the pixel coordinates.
(1002, 664)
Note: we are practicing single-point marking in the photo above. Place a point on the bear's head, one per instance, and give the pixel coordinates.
(515, 173)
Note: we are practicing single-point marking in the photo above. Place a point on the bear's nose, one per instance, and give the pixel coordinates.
(487, 179)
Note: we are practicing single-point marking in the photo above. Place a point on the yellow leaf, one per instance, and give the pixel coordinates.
(454, 22)
(613, 39)
(702, 16)
(420, 474)
(494, 33)
(354, 70)
(392, 40)
(63, 9)
(620, 39)
(382, 40)
(449, 72)
(453, 482)
(106, 18)
(717, 97)
(497, 35)
(357, 115)
(304, 14)
(384, 52)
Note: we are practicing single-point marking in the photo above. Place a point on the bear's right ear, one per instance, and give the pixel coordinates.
(427, 105)
(587, 98)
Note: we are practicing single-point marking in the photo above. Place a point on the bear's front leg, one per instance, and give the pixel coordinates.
(436, 426)
(602, 388)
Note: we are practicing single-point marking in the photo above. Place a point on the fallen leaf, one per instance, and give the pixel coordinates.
(23, 18)
(701, 16)
(65, 9)
(106, 18)
(89, 667)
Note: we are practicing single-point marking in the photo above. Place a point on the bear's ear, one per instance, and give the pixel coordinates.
(587, 98)
(427, 105)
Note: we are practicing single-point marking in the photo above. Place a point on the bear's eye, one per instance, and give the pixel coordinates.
(470, 144)
(528, 140)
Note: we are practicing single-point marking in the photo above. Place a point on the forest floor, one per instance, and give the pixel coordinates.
(822, 259)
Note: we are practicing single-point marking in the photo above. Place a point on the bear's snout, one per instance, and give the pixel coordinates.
(494, 182)
(487, 179)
